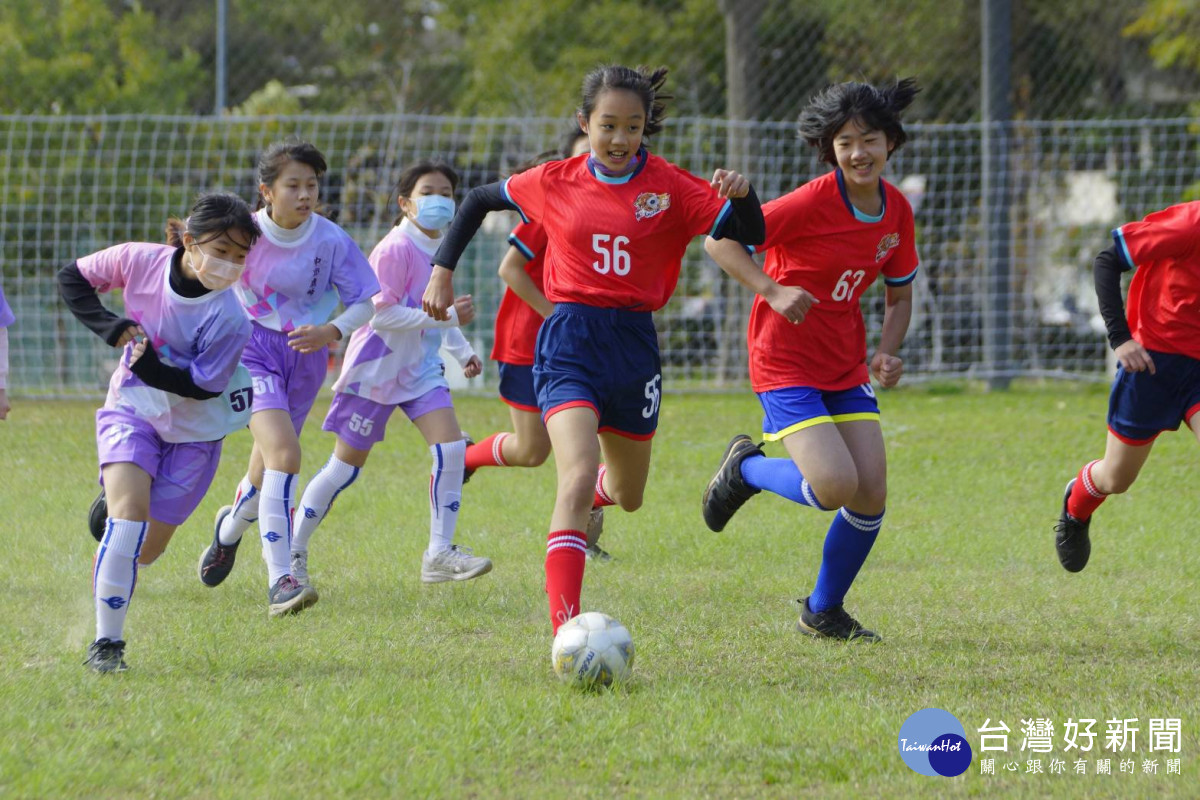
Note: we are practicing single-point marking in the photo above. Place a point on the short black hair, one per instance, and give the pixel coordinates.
(213, 214)
(834, 106)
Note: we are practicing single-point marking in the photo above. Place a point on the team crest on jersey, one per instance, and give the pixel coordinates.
(648, 204)
(887, 243)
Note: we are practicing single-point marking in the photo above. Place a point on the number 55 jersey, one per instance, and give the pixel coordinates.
(817, 240)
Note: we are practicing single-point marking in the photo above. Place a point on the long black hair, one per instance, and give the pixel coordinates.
(878, 109)
(645, 82)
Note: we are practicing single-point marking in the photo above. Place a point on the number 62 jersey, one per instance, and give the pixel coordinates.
(818, 241)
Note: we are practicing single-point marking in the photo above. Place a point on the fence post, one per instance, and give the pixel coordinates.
(219, 100)
(997, 233)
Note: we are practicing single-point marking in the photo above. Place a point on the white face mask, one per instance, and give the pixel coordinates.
(215, 273)
(434, 211)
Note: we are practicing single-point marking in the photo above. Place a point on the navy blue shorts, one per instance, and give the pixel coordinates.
(602, 358)
(1141, 405)
(516, 386)
(794, 408)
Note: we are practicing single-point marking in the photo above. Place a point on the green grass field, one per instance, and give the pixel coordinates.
(388, 688)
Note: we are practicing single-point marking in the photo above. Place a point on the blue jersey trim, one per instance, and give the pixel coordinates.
(1123, 250)
(904, 281)
(508, 197)
(722, 215)
(516, 242)
(858, 215)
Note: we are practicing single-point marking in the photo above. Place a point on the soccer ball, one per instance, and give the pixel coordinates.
(592, 649)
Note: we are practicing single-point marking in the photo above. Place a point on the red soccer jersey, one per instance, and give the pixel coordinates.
(1164, 295)
(615, 242)
(516, 322)
(818, 241)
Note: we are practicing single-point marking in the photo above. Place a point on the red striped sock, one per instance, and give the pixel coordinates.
(1085, 498)
(602, 497)
(488, 453)
(566, 554)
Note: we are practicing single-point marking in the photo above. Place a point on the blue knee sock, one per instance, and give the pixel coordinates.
(780, 476)
(847, 545)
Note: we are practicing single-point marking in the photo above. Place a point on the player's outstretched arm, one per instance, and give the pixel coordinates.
(81, 298)
(792, 302)
(886, 366)
(746, 223)
(481, 200)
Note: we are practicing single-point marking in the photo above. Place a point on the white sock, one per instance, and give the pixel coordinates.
(445, 493)
(115, 575)
(278, 493)
(245, 511)
(318, 498)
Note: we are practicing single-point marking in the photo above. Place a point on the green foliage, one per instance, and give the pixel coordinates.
(78, 56)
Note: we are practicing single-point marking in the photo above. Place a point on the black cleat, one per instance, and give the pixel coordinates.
(595, 527)
(727, 491)
(98, 516)
(467, 473)
(106, 655)
(216, 562)
(1071, 537)
(833, 623)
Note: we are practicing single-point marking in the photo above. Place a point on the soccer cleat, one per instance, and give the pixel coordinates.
(467, 473)
(833, 623)
(727, 491)
(1071, 537)
(98, 516)
(216, 562)
(106, 655)
(288, 596)
(595, 527)
(300, 568)
(455, 564)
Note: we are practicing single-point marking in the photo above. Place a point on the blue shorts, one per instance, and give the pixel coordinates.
(1141, 405)
(602, 358)
(794, 408)
(516, 386)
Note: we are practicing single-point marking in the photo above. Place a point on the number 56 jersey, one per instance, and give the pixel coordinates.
(818, 241)
(615, 242)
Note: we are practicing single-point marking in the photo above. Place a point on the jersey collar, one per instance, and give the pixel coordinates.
(858, 215)
(643, 157)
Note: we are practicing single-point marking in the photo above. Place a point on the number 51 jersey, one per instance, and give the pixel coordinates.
(818, 241)
(615, 242)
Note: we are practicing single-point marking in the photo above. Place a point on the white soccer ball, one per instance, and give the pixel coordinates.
(592, 649)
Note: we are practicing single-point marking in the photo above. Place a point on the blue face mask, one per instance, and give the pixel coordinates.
(434, 212)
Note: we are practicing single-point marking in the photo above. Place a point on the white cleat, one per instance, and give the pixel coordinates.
(455, 564)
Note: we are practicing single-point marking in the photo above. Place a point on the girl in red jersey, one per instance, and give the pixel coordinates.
(827, 241)
(617, 222)
(518, 320)
(1158, 349)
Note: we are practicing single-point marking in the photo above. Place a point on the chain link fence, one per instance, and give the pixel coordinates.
(77, 184)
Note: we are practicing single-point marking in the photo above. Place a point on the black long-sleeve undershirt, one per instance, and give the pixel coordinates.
(83, 301)
(746, 224)
(1106, 271)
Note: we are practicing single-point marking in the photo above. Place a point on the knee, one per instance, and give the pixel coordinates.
(283, 458)
(529, 455)
(578, 488)
(836, 490)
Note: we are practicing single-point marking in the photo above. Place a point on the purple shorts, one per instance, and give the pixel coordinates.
(283, 378)
(360, 422)
(180, 473)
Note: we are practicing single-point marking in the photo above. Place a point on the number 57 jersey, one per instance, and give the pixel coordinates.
(818, 241)
(615, 242)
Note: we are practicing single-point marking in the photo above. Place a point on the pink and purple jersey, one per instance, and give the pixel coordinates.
(1164, 296)
(395, 358)
(204, 335)
(287, 285)
(817, 240)
(6, 315)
